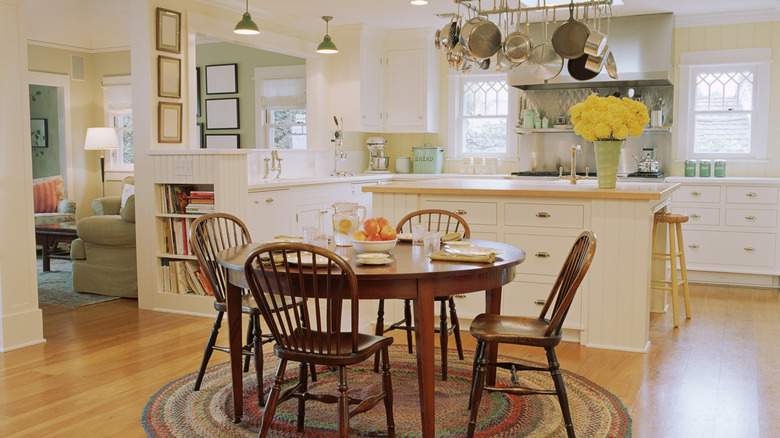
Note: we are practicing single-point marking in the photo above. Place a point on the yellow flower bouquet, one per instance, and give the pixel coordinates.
(609, 118)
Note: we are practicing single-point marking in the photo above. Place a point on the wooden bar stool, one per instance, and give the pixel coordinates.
(676, 250)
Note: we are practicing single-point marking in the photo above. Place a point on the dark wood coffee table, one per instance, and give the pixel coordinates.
(50, 236)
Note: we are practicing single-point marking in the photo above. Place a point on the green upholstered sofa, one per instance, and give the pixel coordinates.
(104, 254)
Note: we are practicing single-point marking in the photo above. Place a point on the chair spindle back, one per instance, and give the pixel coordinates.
(436, 220)
(209, 235)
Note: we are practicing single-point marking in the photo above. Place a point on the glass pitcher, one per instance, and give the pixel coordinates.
(346, 220)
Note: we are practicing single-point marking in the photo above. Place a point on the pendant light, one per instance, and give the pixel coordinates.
(246, 26)
(419, 2)
(327, 46)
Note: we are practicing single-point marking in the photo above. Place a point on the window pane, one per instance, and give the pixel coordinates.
(484, 135)
(127, 146)
(485, 98)
(727, 132)
(720, 91)
(287, 137)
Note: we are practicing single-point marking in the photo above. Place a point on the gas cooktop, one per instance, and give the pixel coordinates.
(547, 173)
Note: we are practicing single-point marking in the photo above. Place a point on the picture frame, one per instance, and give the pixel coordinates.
(168, 77)
(169, 116)
(200, 139)
(222, 141)
(39, 132)
(168, 30)
(222, 113)
(222, 79)
(197, 88)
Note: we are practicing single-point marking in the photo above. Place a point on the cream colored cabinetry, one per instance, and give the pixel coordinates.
(268, 213)
(386, 81)
(732, 228)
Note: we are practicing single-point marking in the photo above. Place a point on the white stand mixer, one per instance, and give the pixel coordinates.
(377, 161)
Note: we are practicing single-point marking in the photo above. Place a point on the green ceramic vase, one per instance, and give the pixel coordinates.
(607, 161)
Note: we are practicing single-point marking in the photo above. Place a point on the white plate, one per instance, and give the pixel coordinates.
(458, 243)
(373, 258)
(286, 239)
(306, 259)
(404, 237)
(473, 250)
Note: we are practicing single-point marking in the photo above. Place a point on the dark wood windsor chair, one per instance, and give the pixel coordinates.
(436, 220)
(313, 333)
(544, 332)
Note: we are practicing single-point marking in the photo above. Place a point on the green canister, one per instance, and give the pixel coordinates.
(705, 168)
(719, 169)
(690, 168)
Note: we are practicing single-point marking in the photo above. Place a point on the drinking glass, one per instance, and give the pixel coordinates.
(319, 239)
(418, 234)
(432, 241)
(309, 231)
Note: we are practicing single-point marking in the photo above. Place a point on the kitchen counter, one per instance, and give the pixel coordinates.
(537, 187)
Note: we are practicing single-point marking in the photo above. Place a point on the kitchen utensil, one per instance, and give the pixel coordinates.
(544, 62)
(596, 42)
(569, 38)
(449, 35)
(517, 45)
(577, 70)
(437, 39)
(657, 114)
(481, 37)
(596, 63)
(611, 67)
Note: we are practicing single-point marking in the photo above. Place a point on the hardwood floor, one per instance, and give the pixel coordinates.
(715, 376)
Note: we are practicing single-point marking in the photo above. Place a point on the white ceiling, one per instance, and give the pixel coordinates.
(103, 24)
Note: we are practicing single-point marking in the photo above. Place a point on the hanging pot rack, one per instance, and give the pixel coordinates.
(469, 4)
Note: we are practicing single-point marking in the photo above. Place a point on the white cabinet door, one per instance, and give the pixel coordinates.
(269, 214)
(371, 86)
(405, 93)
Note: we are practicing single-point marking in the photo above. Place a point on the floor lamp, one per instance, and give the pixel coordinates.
(101, 139)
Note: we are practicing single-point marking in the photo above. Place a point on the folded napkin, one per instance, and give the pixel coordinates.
(278, 260)
(451, 237)
(282, 236)
(487, 258)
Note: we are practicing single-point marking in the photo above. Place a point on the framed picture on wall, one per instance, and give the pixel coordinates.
(222, 141)
(39, 132)
(169, 122)
(199, 140)
(197, 88)
(168, 77)
(168, 31)
(222, 113)
(222, 79)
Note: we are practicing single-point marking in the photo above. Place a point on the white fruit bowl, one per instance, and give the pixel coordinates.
(373, 246)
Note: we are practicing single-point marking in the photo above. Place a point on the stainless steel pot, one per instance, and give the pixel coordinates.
(481, 37)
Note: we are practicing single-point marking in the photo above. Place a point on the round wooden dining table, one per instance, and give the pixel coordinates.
(410, 275)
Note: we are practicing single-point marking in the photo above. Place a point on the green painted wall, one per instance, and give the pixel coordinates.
(43, 105)
(246, 59)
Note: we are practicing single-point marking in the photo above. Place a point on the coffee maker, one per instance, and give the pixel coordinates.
(377, 161)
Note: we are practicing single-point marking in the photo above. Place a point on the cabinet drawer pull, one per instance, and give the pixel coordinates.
(751, 195)
(749, 249)
(543, 214)
(540, 302)
(693, 245)
(269, 200)
(750, 218)
(460, 211)
(695, 193)
(542, 254)
(696, 216)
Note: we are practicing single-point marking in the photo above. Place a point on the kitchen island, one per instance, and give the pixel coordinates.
(543, 217)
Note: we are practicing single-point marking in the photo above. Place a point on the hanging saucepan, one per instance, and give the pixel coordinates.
(449, 35)
(596, 42)
(517, 45)
(595, 63)
(577, 69)
(483, 64)
(569, 38)
(481, 37)
(457, 55)
(437, 39)
(611, 67)
(544, 62)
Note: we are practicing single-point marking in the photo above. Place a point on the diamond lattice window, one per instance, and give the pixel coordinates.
(484, 114)
(723, 112)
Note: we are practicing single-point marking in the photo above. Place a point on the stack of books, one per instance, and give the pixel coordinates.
(200, 202)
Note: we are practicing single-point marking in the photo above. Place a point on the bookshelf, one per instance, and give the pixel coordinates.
(218, 174)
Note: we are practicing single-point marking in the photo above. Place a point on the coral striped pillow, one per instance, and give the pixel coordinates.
(47, 193)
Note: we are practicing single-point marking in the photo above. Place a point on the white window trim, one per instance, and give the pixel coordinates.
(689, 62)
(262, 73)
(111, 164)
(453, 116)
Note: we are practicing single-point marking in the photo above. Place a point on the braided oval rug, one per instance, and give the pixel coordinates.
(176, 411)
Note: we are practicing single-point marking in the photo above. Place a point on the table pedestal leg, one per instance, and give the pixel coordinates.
(492, 305)
(236, 358)
(423, 331)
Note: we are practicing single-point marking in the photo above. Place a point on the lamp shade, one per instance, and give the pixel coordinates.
(327, 46)
(101, 138)
(246, 26)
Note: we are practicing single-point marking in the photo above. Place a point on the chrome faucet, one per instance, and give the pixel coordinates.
(573, 178)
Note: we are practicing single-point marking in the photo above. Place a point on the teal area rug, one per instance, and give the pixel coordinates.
(55, 287)
(177, 411)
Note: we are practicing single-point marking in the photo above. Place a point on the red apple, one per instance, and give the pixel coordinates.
(359, 235)
(387, 233)
(373, 238)
(371, 226)
(382, 222)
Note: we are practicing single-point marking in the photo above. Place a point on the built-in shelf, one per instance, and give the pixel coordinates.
(570, 130)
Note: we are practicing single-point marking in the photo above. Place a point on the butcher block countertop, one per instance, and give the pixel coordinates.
(587, 189)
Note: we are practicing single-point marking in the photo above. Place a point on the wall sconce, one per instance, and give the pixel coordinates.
(327, 46)
(246, 26)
